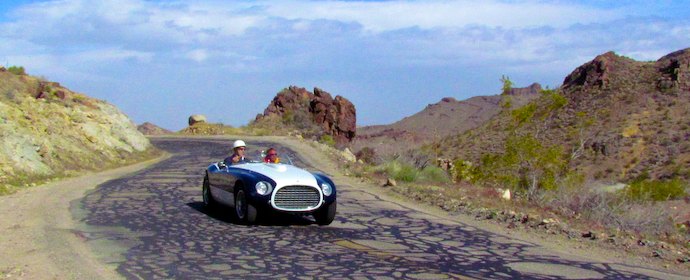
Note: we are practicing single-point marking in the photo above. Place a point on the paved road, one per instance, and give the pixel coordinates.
(152, 225)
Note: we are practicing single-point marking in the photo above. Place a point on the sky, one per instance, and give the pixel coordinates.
(162, 61)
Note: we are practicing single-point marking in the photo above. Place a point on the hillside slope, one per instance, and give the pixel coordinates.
(435, 121)
(48, 130)
(615, 119)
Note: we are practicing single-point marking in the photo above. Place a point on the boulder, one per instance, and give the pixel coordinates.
(390, 182)
(348, 155)
(196, 119)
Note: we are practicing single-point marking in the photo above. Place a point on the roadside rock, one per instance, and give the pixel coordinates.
(348, 155)
(390, 182)
(193, 119)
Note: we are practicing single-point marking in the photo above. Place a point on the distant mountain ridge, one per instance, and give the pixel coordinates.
(447, 117)
(622, 119)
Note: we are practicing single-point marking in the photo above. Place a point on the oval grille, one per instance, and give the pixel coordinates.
(297, 198)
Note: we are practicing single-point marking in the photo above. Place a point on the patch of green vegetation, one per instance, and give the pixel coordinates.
(643, 188)
(526, 165)
(17, 70)
(328, 140)
(524, 114)
(434, 174)
(463, 170)
(507, 84)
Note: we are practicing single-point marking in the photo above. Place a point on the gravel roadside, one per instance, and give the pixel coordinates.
(38, 232)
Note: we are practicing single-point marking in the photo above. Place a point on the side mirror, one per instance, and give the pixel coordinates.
(221, 165)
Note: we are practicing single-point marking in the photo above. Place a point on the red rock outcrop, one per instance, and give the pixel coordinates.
(335, 116)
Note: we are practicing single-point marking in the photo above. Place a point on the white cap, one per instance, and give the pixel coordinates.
(238, 143)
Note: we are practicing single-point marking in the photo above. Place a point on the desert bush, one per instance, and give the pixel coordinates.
(367, 155)
(434, 174)
(507, 84)
(17, 70)
(328, 140)
(610, 210)
(656, 190)
(524, 114)
(463, 171)
(526, 166)
(399, 171)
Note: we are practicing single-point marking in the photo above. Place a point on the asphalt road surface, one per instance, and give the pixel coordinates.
(152, 225)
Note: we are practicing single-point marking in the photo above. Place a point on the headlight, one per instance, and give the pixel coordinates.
(327, 189)
(263, 188)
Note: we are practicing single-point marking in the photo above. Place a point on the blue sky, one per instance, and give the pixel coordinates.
(161, 61)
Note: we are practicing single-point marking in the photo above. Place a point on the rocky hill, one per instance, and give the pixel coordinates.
(48, 130)
(315, 114)
(445, 118)
(614, 118)
(148, 128)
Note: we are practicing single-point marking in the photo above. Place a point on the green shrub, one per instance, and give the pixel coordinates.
(524, 114)
(17, 70)
(657, 190)
(463, 171)
(328, 140)
(434, 174)
(507, 84)
(526, 165)
(400, 171)
(406, 173)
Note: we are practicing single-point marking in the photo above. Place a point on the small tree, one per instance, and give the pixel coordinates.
(507, 84)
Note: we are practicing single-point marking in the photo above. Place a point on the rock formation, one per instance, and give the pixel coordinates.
(148, 128)
(334, 116)
(48, 130)
(193, 119)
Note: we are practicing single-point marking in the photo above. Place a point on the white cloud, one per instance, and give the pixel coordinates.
(359, 44)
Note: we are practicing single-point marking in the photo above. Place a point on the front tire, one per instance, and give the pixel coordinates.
(206, 194)
(245, 212)
(326, 215)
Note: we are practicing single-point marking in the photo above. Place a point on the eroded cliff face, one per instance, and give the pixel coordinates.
(301, 108)
(48, 130)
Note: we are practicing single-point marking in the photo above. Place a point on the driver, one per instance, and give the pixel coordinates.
(237, 156)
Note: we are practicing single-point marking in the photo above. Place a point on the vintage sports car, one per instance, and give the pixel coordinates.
(255, 188)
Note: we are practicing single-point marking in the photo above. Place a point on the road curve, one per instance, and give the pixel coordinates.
(152, 225)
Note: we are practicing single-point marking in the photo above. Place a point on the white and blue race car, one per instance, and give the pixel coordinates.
(254, 188)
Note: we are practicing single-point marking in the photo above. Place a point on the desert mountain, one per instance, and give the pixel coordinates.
(447, 117)
(48, 130)
(614, 119)
(313, 114)
(148, 128)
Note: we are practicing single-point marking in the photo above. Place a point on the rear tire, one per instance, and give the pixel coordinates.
(244, 211)
(326, 215)
(206, 194)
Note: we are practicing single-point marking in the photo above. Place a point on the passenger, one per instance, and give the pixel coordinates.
(237, 156)
(271, 156)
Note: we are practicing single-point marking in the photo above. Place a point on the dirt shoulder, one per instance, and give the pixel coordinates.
(38, 230)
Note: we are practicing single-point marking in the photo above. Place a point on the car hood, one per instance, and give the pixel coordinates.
(283, 174)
